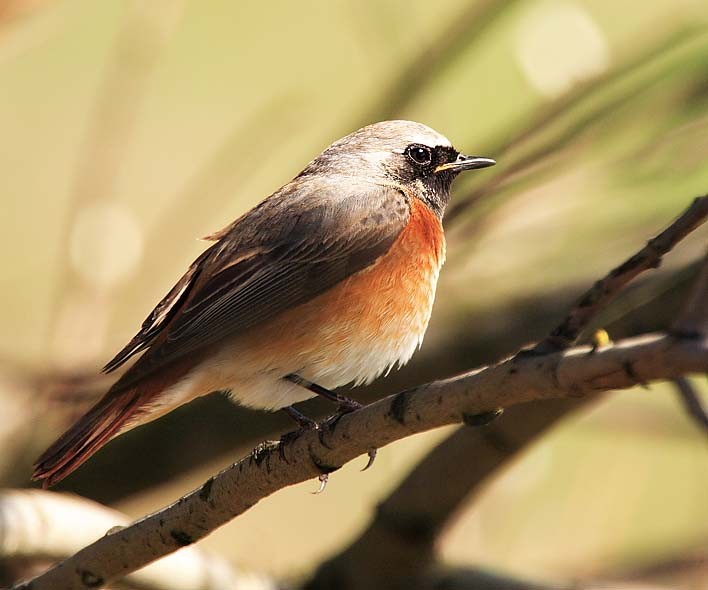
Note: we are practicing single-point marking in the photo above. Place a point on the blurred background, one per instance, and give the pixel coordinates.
(130, 129)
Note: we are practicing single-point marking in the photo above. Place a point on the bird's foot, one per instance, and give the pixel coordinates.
(343, 410)
(324, 478)
(372, 457)
(345, 405)
(304, 424)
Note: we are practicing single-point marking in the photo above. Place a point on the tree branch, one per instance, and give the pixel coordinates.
(606, 289)
(693, 321)
(36, 524)
(694, 317)
(273, 466)
(692, 402)
(530, 375)
(399, 544)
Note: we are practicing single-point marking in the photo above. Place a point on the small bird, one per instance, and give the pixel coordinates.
(329, 281)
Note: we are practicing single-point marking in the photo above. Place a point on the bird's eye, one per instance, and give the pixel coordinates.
(420, 154)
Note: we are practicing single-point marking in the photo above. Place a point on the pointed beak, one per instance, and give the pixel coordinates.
(466, 163)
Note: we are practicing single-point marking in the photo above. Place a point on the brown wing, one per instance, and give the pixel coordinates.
(160, 316)
(292, 247)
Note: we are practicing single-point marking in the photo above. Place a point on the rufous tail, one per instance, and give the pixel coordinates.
(93, 430)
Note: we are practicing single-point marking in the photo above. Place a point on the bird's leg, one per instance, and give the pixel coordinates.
(346, 404)
(304, 423)
(300, 419)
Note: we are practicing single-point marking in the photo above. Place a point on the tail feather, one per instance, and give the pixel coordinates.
(93, 430)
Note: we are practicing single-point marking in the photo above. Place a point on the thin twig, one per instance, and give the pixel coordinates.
(583, 94)
(693, 320)
(693, 323)
(692, 402)
(604, 290)
(273, 466)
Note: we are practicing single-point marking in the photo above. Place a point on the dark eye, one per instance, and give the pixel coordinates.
(420, 154)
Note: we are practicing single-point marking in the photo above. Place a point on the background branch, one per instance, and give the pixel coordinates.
(692, 402)
(41, 525)
(694, 317)
(399, 545)
(606, 289)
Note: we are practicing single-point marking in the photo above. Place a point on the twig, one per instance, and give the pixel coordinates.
(605, 289)
(693, 323)
(693, 320)
(273, 466)
(583, 94)
(37, 524)
(692, 402)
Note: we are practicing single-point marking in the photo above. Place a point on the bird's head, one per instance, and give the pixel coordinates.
(407, 154)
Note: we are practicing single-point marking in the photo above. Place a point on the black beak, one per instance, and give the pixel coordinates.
(466, 163)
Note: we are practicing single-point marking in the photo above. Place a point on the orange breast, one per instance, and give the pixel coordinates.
(374, 319)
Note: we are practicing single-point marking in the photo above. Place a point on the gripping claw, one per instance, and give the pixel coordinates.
(324, 478)
(372, 457)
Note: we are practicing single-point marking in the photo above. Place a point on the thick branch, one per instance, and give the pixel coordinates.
(276, 465)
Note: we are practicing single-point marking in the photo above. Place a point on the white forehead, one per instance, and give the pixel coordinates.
(406, 132)
(376, 142)
(429, 137)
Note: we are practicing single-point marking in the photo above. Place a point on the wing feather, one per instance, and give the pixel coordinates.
(268, 261)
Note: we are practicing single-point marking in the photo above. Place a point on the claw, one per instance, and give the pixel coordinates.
(324, 478)
(372, 457)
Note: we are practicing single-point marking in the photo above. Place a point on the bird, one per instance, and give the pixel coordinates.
(327, 282)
